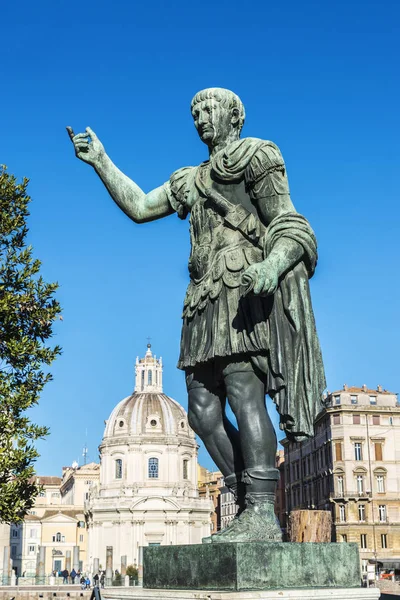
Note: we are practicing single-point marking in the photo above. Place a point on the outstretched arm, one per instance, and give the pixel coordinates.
(137, 205)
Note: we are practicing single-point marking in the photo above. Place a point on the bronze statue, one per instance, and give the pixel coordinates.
(248, 325)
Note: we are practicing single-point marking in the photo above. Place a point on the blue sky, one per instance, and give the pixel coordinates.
(319, 79)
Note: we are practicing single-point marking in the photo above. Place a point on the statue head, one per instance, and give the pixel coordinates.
(218, 116)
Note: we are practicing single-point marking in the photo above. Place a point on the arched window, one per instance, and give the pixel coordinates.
(118, 468)
(153, 468)
(185, 469)
(58, 537)
(149, 377)
(142, 380)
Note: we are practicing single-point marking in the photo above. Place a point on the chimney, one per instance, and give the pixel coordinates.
(345, 387)
(364, 388)
(379, 388)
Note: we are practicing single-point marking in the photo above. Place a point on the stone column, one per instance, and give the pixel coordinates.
(140, 566)
(109, 564)
(42, 564)
(6, 565)
(68, 560)
(123, 565)
(75, 558)
(95, 566)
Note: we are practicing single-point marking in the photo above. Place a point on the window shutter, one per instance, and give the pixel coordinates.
(338, 451)
(378, 451)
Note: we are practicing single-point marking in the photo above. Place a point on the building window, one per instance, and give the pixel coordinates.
(358, 451)
(81, 538)
(363, 541)
(336, 419)
(185, 469)
(149, 377)
(390, 420)
(337, 399)
(42, 494)
(118, 468)
(382, 513)
(13, 551)
(372, 400)
(360, 484)
(354, 399)
(142, 380)
(55, 495)
(380, 483)
(344, 538)
(342, 513)
(340, 487)
(31, 549)
(356, 419)
(376, 419)
(338, 451)
(15, 533)
(33, 533)
(153, 468)
(57, 537)
(378, 451)
(384, 542)
(361, 512)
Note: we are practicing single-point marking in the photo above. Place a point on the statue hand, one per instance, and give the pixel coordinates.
(87, 146)
(261, 278)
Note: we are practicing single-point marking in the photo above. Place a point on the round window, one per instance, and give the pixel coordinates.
(121, 423)
(153, 423)
(183, 424)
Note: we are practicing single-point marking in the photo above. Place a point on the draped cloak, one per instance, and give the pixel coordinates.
(277, 332)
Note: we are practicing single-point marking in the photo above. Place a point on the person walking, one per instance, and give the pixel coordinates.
(73, 574)
(96, 580)
(102, 580)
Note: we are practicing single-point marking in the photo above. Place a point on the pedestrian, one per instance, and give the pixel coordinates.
(65, 575)
(102, 580)
(73, 574)
(82, 581)
(87, 583)
(96, 580)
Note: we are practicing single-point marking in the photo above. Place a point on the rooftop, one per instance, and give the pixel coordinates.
(361, 390)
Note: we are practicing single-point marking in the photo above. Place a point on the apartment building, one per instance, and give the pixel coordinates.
(352, 468)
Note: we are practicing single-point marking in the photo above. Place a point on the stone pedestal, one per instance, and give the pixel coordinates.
(321, 594)
(252, 566)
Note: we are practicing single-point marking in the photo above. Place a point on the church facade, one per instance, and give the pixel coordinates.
(147, 493)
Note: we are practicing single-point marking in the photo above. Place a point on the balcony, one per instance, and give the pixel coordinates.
(350, 495)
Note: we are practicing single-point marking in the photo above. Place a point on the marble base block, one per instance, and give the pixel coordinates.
(312, 594)
(251, 566)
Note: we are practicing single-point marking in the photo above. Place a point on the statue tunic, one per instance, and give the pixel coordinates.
(276, 332)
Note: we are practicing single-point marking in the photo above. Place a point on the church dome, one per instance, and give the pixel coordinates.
(148, 411)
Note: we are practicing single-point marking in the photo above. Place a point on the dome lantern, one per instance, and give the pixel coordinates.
(148, 373)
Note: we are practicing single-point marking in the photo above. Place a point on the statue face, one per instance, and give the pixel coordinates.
(212, 121)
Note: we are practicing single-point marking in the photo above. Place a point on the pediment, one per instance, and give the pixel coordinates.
(155, 503)
(59, 518)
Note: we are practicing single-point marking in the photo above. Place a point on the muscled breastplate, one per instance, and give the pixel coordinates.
(225, 234)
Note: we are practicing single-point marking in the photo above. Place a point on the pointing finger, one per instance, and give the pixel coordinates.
(70, 132)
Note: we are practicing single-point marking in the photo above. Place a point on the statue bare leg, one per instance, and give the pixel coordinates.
(245, 457)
